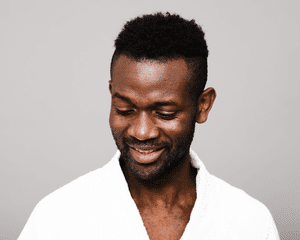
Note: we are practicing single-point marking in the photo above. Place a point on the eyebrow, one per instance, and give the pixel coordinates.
(156, 104)
(126, 99)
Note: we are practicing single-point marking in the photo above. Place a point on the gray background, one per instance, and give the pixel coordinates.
(54, 99)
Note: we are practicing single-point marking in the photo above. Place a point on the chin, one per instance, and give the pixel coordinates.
(157, 171)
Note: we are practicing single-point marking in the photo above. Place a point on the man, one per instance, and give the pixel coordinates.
(155, 187)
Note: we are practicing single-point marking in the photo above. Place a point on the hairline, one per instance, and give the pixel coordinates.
(190, 61)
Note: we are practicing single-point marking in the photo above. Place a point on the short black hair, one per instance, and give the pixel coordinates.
(162, 37)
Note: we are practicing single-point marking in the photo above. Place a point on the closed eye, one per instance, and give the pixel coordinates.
(124, 113)
(166, 116)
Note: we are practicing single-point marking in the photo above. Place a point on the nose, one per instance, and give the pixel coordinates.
(143, 128)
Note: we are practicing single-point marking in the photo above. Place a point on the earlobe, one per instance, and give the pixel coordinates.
(110, 86)
(205, 103)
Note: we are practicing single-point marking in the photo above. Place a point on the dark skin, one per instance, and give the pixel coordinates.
(152, 120)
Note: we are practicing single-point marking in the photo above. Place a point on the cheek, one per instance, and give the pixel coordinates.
(176, 128)
(117, 124)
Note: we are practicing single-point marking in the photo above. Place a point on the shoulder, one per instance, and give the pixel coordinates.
(237, 210)
(89, 185)
(231, 196)
(81, 197)
(235, 198)
(75, 208)
(84, 188)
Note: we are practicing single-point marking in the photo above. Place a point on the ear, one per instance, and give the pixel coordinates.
(110, 86)
(205, 102)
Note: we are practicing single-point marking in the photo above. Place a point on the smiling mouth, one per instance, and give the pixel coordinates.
(146, 155)
(146, 151)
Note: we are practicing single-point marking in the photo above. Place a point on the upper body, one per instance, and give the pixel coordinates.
(157, 86)
(99, 205)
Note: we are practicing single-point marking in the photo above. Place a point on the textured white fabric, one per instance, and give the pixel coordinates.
(98, 205)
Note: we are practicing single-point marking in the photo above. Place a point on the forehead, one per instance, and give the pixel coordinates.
(151, 77)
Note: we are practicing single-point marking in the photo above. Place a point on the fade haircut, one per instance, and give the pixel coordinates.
(163, 37)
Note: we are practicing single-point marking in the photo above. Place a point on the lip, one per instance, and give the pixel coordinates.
(146, 155)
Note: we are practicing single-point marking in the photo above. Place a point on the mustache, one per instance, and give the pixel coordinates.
(148, 143)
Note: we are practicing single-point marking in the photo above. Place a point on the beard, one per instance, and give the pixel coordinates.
(174, 154)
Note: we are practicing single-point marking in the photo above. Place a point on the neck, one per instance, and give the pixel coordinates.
(175, 188)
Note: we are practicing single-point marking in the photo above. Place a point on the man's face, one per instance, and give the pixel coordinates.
(152, 115)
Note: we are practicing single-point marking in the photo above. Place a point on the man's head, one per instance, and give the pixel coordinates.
(158, 73)
(163, 37)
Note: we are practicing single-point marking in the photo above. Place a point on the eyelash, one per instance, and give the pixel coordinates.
(124, 113)
(161, 115)
(166, 116)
